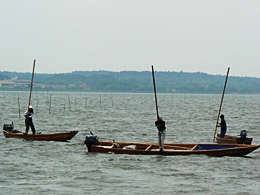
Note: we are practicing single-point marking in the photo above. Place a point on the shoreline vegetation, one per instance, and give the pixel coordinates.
(129, 82)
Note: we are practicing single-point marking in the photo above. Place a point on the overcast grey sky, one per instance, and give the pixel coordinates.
(173, 35)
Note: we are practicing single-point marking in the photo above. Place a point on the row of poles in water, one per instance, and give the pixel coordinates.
(49, 103)
(49, 99)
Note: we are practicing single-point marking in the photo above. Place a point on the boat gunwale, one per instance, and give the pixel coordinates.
(60, 136)
(239, 150)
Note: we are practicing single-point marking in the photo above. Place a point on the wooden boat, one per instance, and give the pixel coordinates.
(229, 139)
(62, 136)
(169, 148)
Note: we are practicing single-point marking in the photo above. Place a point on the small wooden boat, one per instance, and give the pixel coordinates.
(62, 136)
(229, 139)
(169, 148)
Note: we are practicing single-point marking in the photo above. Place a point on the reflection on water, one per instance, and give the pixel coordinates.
(34, 167)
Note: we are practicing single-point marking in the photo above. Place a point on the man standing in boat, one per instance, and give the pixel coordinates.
(223, 126)
(160, 124)
(28, 120)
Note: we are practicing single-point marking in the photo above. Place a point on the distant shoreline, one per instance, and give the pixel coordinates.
(2, 90)
(131, 81)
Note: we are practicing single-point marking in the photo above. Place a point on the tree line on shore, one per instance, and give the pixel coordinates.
(134, 81)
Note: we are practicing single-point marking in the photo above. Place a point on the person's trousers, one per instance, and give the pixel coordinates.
(222, 134)
(161, 139)
(30, 124)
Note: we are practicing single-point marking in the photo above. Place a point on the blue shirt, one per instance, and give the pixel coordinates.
(223, 125)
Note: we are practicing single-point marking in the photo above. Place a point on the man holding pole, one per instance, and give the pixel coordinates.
(29, 113)
(217, 123)
(223, 126)
(28, 120)
(160, 124)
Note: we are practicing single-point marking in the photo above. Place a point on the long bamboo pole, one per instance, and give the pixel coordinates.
(221, 103)
(31, 85)
(155, 94)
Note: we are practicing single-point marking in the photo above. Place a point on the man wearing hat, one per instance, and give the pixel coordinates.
(223, 126)
(28, 114)
(160, 124)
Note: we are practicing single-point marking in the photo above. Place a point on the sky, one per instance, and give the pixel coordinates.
(131, 35)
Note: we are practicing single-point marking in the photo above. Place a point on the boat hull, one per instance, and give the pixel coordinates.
(229, 139)
(218, 150)
(62, 136)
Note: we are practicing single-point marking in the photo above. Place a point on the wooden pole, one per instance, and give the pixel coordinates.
(155, 94)
(75, 103)
(19, 110)
(50, 105)
(69, 102)
(31, 85)
(64, 104)
(47, 97)
(221, 103)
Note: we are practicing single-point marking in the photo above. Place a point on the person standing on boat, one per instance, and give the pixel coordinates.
(160, 124)
(223, 126)
(28, 114)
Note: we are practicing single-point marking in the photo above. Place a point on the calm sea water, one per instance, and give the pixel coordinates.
(35, 167)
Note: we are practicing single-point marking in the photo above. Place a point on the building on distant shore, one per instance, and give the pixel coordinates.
(84, 86)
(12, 83)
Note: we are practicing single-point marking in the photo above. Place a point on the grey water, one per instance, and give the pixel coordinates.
(37, 167)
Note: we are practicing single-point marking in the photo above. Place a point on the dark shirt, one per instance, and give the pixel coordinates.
(160, 125)
(223, 125)
(30, 115)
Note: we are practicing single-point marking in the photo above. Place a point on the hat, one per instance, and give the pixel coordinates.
(30, 106)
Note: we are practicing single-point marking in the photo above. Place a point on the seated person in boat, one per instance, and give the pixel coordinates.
(160, 124)
(28, 114)
(223, 126)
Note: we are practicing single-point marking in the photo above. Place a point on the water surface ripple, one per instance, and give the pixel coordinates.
(35, 167)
